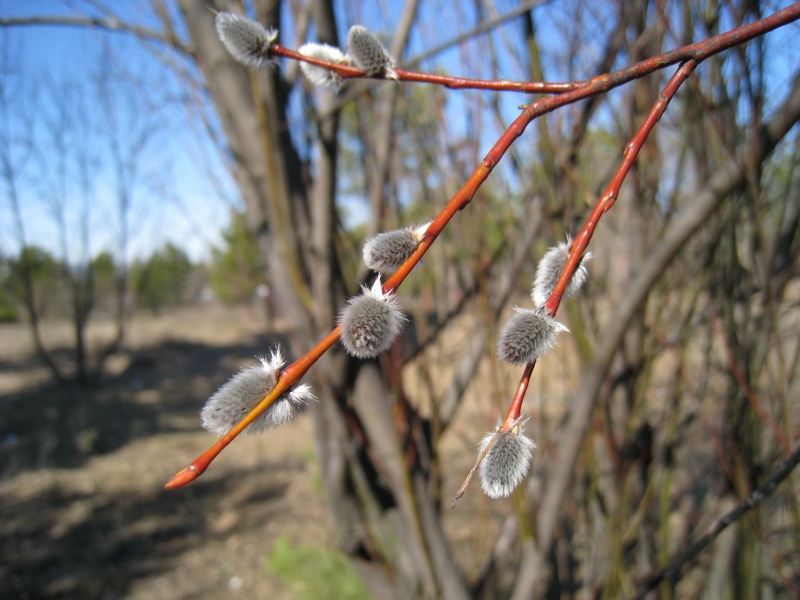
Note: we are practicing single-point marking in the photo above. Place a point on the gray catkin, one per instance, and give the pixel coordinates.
(507, 461)
(244, 390)
(386, 251)
(549, 271)
(321, 76)
(527, 335)
(368, 53)
(370, 323)
(247, 41)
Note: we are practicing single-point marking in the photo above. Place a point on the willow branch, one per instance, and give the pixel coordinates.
(606, 201)
(348, 72)
(705, 201)
(694, 52)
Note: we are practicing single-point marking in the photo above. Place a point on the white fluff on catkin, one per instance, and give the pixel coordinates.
(244, 390)
(386, 251)
(527, 335)
(549, 271)
(368, 54)
(247, 41)
(507, 461)
(370, 322)
(320, 76)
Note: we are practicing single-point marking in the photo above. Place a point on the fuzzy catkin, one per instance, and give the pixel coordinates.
(507, 461)
(244, 390)
(368, 53)
(321, 76)
(370, 323)
(247, 41)
(386, 251)
(527, 335)
(549, 271)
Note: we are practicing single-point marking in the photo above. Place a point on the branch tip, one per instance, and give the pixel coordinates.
(183, 477)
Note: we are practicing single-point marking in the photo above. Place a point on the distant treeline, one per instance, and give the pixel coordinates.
(164, 279)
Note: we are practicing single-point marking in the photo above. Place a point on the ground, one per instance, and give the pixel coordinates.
(83, 512)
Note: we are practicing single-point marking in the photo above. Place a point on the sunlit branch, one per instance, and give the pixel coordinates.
(348, 72)
(693, 54)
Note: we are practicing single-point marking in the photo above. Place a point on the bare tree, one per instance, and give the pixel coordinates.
(56, 152)
(15, 156)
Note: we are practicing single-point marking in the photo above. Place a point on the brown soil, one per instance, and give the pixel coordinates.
(83, 512)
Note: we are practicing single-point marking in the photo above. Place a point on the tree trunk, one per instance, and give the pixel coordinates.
(386, 518)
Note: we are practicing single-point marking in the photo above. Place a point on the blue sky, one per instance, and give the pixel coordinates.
(184, 194)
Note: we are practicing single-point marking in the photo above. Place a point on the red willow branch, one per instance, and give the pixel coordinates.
(292, 374)
(581, 242)
(606, 201)
(571, 440)
(348, 72)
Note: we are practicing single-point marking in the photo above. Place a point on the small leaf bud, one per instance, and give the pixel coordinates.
(247, 41)
(242, 392)
(528, 335)
(386, 251)
(370, 322)
(549, 271)
(321, 76)
(507, 461)
(368, 53)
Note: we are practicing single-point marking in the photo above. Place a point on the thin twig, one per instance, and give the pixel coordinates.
(672, 571)
(741, 379)
(110, 23)
(484, 27)
(474, 468)
(348, 72)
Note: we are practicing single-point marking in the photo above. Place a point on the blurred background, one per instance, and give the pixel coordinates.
(167, 215)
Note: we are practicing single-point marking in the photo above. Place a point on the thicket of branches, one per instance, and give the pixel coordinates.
(674, 397)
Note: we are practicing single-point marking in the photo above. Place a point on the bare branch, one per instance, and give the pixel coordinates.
(107, 23)
(672, 571)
